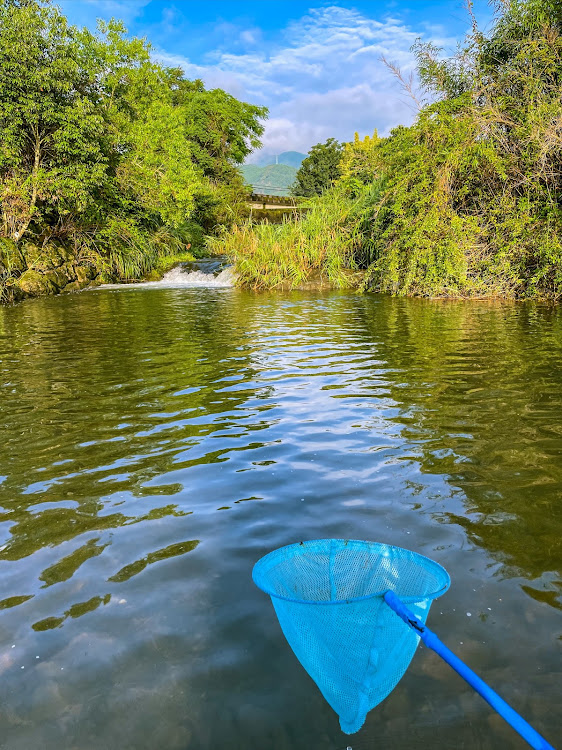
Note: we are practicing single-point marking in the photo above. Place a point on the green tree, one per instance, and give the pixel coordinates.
(320, 169)
(157, 172)
(471, 204)
(107, 150)
(359, 163)
(465, 202)
(223, 131)
(51, 146)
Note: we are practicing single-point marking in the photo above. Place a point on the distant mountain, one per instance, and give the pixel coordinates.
(290, 158)
(274, 179)
(251, 173)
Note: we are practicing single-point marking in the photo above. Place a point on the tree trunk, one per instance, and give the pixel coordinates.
(17, 235)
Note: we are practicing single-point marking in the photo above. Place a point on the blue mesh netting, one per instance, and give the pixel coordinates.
(328, 596)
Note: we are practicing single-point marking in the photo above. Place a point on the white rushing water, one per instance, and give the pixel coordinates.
(180, 277)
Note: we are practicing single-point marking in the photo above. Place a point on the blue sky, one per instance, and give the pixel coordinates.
(316, 65)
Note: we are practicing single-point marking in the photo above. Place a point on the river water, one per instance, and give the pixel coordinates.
(155, 442)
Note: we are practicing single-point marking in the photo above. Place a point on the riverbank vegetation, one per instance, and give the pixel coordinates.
(321, 243)
(319, 170)
(111, 165)
(466, 201)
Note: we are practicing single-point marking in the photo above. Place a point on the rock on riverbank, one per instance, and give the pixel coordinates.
(49, 269)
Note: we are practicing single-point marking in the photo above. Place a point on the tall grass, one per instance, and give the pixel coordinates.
(120, 250)
(323, 244)
(4, 293)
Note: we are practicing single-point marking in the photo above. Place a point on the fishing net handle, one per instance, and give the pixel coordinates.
(522, 727)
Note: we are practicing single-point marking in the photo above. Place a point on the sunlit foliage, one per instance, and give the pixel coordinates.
(107, 151)
(319, 170)
(472, 198)
(467, 201)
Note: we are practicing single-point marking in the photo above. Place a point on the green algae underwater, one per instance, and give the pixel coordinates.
(156, 442)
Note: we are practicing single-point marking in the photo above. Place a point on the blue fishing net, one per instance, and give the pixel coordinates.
(328, 596)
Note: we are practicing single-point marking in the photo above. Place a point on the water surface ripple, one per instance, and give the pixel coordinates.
(155, 442)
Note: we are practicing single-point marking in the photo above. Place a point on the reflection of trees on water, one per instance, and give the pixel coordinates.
(479, 390)
(68, 566)
(173, 550)
(101, 395)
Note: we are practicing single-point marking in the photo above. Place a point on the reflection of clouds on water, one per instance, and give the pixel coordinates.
(302, 416)
(66, 567)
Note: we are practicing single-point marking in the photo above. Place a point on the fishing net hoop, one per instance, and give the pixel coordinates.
(350, 642)
(263, 565)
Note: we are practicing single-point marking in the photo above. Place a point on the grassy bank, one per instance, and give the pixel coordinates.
(118, 255)
(323, 245)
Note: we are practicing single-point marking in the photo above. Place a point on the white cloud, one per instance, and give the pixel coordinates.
(250, 37)
(323, 79)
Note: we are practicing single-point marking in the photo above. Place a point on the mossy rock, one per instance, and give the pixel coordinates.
(69, 271)
(60, 249)
(35, 284)
(76, 286)
(31, 252)
(153, 276)
(48, 256)
(84, 273)
(57, 278)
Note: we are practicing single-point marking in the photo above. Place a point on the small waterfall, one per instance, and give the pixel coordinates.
(182, 276)
(206, 272)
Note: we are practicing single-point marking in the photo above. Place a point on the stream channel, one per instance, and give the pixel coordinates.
(158, 439)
